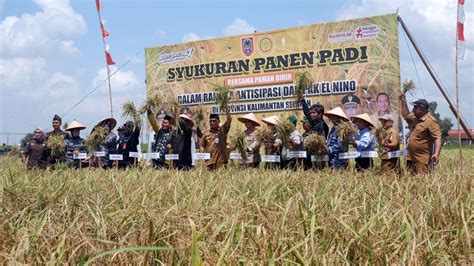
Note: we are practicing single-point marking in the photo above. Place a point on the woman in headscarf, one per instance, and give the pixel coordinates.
(35, 151)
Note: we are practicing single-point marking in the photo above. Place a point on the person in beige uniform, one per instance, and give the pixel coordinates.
(214, 142)
(253, 145)
(424, 144)
(391, 143)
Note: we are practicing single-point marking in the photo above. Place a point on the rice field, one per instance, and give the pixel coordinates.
(236, 216)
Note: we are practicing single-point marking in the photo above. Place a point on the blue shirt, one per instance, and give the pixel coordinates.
(335, 147)
(365, 140)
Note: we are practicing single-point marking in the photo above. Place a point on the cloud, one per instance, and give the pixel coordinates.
(190, 37)
(432, 23)
(46, 32)
(122, 81)
(238, 27)
(160, 33)
(21, 72)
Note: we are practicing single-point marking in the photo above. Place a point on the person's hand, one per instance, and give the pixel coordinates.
(402, 97)
(434, 159)
(169, 147)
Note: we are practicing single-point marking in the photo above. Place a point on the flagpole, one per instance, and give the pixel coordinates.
(457, 87)
(106, 62)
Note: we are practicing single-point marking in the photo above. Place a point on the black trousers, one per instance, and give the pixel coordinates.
(363, 163)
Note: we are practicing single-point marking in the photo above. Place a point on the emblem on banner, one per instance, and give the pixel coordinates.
(247, 45)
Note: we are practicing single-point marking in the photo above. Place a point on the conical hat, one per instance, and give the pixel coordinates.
(186, 117)
(108, 121)
(75, 125)
(271, 120)
(337, 112)
(249, 117)
(365, 117)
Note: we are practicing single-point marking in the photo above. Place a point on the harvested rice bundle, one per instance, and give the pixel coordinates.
(130, 111)
(56, 144)
(153, 102)
(408, 86)
(346, 131)
(238, 143)
(284, 130)
(95, 139)
(315, 143)
(265, 136)
(381, 134)
(303, 80)
(223, 96)
(199, 115)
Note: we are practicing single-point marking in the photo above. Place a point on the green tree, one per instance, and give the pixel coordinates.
(25, 139)
(445, 124)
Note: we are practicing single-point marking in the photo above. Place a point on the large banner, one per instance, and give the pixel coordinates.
(353, 64)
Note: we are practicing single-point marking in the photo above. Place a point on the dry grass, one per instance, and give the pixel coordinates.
(315, 143)
(130, 111)
(236, 216)
(237, 142)
(95, 138)
(56, 144)
(266, 136)
(223, 96)
(303, 80)
(407, 86)
(346, 131)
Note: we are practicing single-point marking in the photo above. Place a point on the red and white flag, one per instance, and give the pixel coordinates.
(105, 33)
(97, 4)
(460, 30)
(108, 57)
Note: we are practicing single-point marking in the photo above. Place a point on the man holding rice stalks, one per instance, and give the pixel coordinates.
(424, 143)
(389, 140)
(252, 145)
(163, 141)
(291, 140)
(214, 141)
(364, 141)
(314, 115)
(56, 157)
(108, 143)
(75, 144)
(335, 143)
(268, 138)
(182, 142)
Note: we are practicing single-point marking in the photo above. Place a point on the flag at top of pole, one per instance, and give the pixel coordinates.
(460, 30)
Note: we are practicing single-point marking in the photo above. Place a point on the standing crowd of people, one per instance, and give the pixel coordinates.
(182, 139)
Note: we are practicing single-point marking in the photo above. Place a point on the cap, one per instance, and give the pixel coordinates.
(386, 117)
(293, 119)
(421, 102)
(57, 117)
(214, 116)
(350, 100)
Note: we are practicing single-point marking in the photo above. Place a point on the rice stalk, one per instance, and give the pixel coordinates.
(381, 134)
(284, 130)
(315, 143)
(266, 137)
(408, 86)
(130, 112)
(238, 143)
(95, 138)
(199, 115)
(346, 131)
(223, 95)
(56, 144)
(303, 80)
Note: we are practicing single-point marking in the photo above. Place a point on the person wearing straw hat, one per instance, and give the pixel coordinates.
(128, 142)
(391, 143)
(253, 145)
(163, 141)
(364, 141)
(273, 148)
(424, 143)
(214, 141)
(335, 145)
(109, 144)
(74, 144)
(35, 151)
(182, 141)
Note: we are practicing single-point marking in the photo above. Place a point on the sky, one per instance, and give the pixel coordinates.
(52, 55)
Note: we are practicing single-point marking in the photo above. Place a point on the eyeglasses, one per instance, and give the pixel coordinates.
(213, 121)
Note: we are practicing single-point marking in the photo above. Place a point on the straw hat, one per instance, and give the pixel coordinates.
(186, 117)
(75, 125)
(271, 120)
(249, 117)
(337, 112)
(364, 117)
(111, 122)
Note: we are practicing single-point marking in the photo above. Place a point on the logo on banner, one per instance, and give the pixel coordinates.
(266, 44)
(247, 46)
(367, 32)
